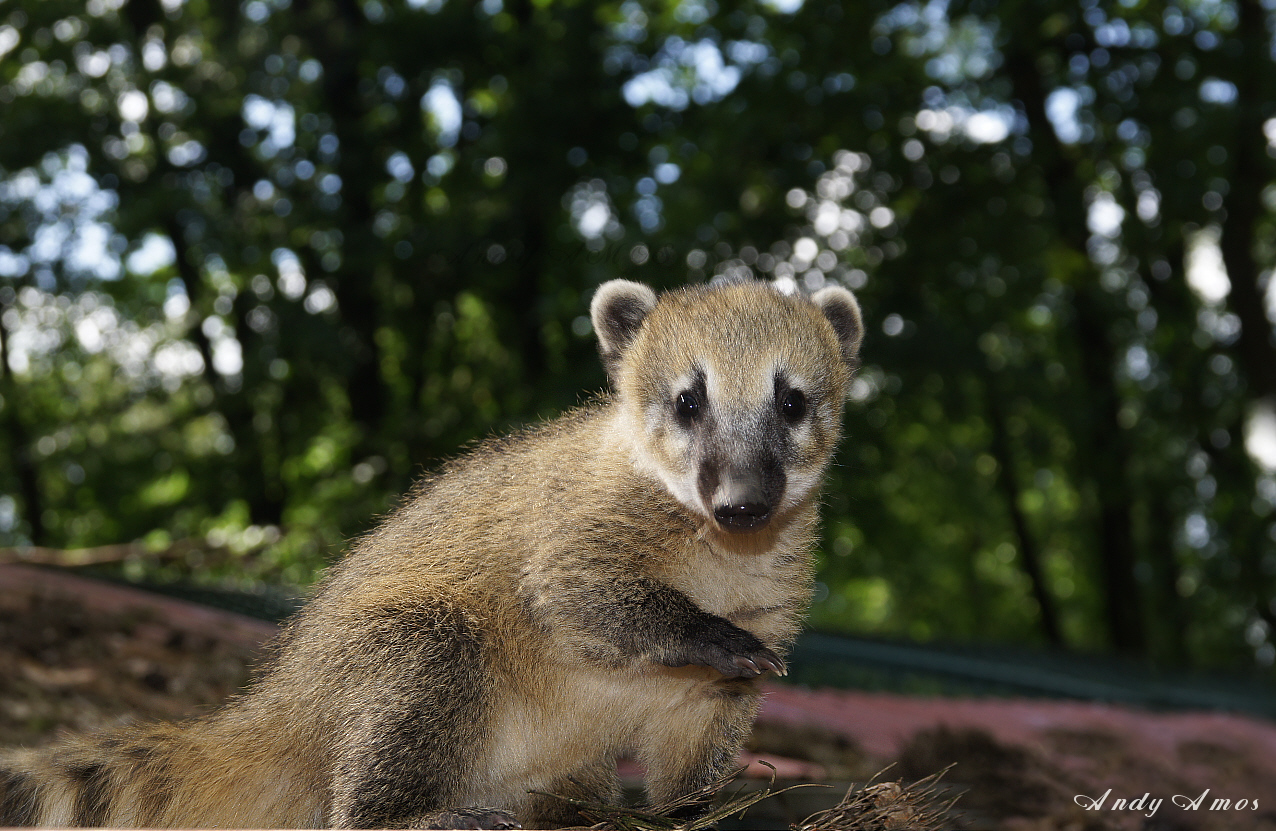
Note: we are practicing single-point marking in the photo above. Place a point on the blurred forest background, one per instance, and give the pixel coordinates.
(263, 262)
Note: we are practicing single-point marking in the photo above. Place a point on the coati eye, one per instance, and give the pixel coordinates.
(793, 406)
(687, 406)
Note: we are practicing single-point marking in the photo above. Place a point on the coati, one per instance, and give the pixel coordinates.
(611, 582)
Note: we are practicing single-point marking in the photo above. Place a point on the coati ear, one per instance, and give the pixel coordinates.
(842, 310)
(617, 311)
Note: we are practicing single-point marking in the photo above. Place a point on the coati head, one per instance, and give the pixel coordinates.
(730, 394)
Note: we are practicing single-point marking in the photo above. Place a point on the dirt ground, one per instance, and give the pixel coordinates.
(81, 655)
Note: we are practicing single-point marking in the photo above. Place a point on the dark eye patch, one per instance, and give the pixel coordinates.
(793, 406)
(789, 401)
(690, 404)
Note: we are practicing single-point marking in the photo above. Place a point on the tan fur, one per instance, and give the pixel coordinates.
(539, 607)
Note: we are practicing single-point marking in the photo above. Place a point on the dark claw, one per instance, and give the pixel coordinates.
(774, 663)
(754, 665)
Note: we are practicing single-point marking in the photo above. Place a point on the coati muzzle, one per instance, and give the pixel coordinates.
(744, 500)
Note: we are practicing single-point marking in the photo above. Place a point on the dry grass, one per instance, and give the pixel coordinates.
(886, 806)
(876, 806)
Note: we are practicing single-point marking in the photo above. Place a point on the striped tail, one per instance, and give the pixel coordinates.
(119, 779)
(161, 776)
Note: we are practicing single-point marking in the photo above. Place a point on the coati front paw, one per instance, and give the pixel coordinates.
(469, 818)
(734, 652)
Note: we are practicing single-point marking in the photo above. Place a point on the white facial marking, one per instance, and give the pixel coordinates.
(799, 484)
(641, 437)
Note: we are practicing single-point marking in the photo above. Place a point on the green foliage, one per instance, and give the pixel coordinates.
(261, 263)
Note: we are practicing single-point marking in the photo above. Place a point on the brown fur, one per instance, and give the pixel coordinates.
(540, 606)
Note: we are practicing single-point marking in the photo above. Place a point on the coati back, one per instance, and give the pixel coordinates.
(612, 582)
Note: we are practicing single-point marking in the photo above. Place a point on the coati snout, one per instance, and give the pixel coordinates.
(742, 500)
(741, 489)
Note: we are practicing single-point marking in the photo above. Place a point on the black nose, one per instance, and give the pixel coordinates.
(742, 516)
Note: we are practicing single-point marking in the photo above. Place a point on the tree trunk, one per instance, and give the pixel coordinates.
(24, 464)
(1250, 174)
(1103, 451)
(355, 283)
(1029, 555)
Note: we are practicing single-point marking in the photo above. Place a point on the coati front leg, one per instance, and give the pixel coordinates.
(646, 619)
(423, 697)
(699, 746)
(618, 622)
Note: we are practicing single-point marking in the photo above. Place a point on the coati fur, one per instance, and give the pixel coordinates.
(611, 582)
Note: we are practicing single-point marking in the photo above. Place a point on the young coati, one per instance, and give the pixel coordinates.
(612, 582)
